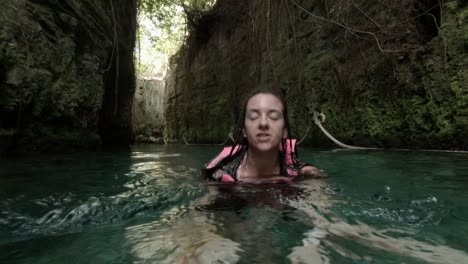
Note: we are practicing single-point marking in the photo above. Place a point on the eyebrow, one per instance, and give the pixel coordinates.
(269, 111)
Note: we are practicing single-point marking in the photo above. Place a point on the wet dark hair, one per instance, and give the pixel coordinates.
(239, 138)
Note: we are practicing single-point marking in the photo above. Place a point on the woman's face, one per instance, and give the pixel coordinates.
(264, 122)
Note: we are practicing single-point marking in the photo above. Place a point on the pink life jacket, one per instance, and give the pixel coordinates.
(290, 150)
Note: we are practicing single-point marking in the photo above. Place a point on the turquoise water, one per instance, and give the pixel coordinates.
(150, 205)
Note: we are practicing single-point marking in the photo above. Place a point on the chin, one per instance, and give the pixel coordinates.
(266, 147)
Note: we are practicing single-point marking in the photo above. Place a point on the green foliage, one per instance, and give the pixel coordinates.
(51, 76)
(7, 132)
(39, 137)
(163, 25)
(415, 98)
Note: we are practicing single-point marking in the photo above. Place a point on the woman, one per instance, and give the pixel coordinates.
(264, 152)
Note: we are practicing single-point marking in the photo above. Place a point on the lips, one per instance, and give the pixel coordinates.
(263, 136)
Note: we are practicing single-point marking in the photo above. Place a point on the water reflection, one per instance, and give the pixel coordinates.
(331, 232)
(237, 223)
(150, 205)
(181, 238)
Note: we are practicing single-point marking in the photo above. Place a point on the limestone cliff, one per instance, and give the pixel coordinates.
(66, 78)
(148, 107)
(385, 73)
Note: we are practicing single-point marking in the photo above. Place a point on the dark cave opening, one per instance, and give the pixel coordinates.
(428, 14)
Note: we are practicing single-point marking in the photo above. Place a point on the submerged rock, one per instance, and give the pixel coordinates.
(149, 139)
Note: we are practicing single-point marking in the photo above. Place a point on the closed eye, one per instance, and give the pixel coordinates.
(275, 115)
(253, 115)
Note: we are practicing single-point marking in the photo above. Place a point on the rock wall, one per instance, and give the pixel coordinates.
(148, 107)
(60, 61)
(385, 73)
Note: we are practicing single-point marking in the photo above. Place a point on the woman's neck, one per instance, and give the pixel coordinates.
(259, 163)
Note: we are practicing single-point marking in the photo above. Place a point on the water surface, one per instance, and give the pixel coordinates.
(150, 205)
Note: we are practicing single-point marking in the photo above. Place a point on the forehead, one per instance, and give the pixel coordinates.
(264, 101)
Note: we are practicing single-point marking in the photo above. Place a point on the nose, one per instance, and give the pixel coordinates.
(263, 124)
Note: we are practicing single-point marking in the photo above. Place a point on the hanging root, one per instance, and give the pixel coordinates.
(302, 139)
(229, 136)
(322, 117)
(319, 124)
(185, 141)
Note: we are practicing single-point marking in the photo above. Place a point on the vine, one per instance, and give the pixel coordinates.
(380, 29)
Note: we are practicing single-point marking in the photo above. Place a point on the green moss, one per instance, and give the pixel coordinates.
(414, 99)
(41, 138)
(7, 132)
(451, 5)
(50, 83)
